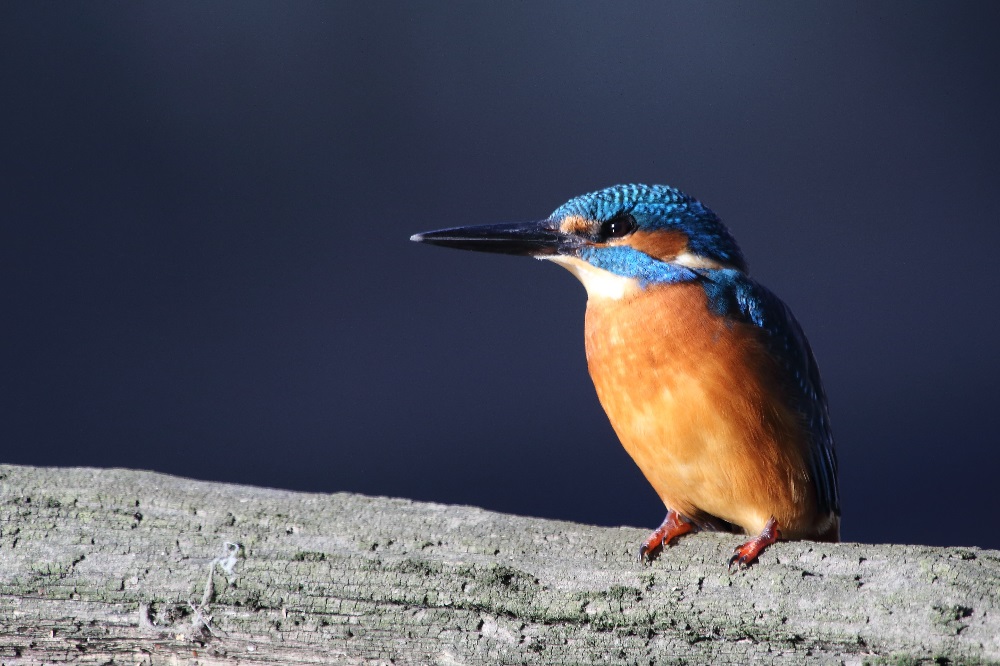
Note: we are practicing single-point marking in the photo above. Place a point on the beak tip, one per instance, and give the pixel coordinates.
(416, 238)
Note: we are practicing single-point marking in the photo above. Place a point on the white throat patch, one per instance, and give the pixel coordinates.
(598, 282)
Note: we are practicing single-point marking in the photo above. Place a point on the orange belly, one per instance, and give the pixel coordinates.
(693, 398)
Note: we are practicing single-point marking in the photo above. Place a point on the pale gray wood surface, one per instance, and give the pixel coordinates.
(112, 566)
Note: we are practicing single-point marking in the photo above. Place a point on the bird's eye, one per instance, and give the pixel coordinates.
(618, 226)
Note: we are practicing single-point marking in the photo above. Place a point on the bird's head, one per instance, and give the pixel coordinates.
(614, 240)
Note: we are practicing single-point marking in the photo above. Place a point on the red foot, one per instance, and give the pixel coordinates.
(672, 527)
(746, 554)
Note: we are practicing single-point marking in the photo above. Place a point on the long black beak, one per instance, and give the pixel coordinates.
(524, 238)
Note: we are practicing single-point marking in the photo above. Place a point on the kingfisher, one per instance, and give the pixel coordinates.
(706, 376)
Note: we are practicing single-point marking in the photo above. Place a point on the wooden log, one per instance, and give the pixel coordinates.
(119, 566)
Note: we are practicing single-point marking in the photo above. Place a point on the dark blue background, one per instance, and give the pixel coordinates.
(205, 210)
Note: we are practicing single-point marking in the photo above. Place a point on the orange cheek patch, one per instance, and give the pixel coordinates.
(574, 224)
(657, 244)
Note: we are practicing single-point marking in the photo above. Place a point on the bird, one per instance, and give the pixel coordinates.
(705, 375)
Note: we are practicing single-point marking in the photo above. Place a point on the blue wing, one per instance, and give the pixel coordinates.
(734, 295)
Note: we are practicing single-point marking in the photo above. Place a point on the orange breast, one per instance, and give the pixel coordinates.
(694, 400)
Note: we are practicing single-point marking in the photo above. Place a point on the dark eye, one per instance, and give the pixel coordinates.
(618, 226)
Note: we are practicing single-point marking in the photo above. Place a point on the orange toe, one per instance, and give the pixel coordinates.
(747, 554)
(672, 527)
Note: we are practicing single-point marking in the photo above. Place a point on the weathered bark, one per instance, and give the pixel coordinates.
(115, 565)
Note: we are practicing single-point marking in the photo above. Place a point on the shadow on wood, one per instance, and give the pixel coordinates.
(136, 567)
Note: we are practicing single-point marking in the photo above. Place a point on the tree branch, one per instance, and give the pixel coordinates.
(136, 567)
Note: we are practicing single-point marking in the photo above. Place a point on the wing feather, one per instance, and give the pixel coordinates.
(733, 294)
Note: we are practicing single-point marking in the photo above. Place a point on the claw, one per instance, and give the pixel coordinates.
(672, 527)
(746, 554)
